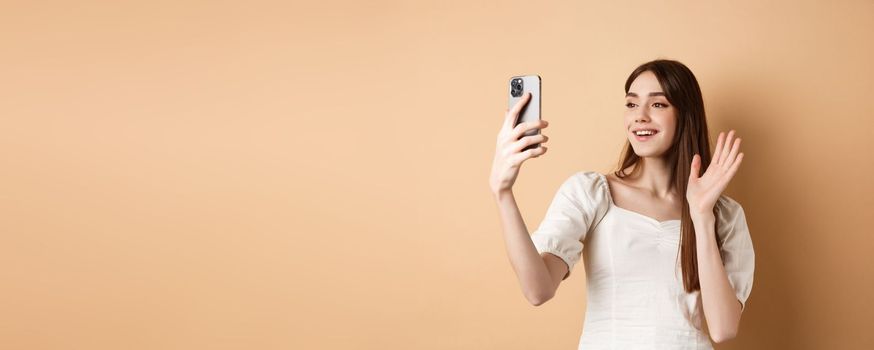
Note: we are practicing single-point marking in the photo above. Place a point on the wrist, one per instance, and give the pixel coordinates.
(503, 194)
(702, 217)
(704, 224)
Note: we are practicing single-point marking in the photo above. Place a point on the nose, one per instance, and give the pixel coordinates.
(643, 116)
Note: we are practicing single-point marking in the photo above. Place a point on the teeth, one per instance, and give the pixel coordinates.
(644, 132)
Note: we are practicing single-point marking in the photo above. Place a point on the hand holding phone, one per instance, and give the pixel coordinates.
(526, 84)
(520, 137)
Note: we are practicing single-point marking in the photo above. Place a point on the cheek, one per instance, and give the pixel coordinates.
(668, 118)
(627, 122)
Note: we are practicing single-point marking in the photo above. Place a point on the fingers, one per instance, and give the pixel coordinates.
(734, 166)
(718, 149)
(727, 154)
(726, 147)
(518, 158)
(509, 119)
(523, 128)
(528, 140)
(695, 170)
(513, 113)
(735, 148)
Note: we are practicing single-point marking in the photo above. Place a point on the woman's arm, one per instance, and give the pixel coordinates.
(531, 269)
(721, 307)
(538, 275)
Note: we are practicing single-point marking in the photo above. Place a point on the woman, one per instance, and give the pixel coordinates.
(664, 249)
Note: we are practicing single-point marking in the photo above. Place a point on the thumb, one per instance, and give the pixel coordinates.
(696, 166)
(513, 112)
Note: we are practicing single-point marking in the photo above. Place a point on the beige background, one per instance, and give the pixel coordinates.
(242, 175)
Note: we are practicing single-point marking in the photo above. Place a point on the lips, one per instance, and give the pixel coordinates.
(644, 137)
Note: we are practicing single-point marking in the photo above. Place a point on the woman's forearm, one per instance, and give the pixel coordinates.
(721, 306)
(530, 268)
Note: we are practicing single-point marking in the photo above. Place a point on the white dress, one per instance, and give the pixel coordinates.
(635, 296)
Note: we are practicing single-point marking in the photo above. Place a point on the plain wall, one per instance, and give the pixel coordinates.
(274, 175)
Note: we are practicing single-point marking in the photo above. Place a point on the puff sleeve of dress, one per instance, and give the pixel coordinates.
(737, 252)
(577, 207)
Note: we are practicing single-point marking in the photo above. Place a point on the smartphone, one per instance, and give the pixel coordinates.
(519, 86)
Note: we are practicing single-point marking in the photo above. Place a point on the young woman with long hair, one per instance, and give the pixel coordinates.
(664, 250)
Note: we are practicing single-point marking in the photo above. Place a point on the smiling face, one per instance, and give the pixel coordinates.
(647, 108)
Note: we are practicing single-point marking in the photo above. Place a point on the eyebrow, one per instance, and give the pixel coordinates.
(633, 94)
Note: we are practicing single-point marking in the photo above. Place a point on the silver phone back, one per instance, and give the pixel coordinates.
(531, 111)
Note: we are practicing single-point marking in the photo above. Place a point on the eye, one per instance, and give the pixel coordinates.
(660, 105)
(630, 105)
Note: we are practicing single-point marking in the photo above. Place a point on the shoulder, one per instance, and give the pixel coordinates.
(587, 181)
(586, 186)
(587, 177)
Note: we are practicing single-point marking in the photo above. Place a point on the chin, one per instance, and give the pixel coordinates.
(648, 154)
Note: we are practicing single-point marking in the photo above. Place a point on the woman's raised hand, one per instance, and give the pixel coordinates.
(508, 151)
(702, 192)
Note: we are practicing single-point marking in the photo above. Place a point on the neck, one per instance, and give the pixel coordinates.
(655, 176)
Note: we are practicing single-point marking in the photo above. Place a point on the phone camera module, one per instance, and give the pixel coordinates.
(516, 88)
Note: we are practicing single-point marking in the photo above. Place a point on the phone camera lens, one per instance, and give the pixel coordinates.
(516, 87)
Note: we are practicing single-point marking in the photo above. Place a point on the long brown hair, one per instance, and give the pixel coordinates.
(691, 137)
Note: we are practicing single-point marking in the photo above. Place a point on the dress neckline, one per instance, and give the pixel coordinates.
(613, 204)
